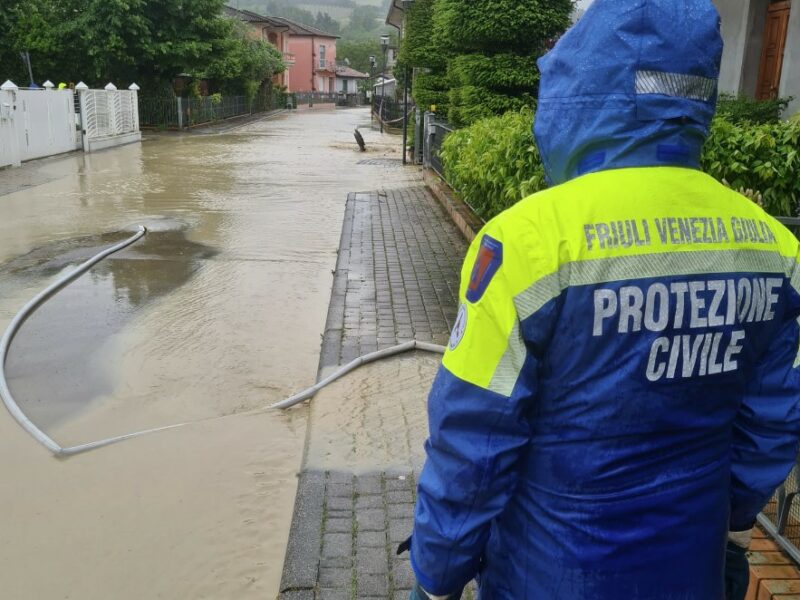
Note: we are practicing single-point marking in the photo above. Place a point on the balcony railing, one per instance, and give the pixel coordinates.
(288, 58)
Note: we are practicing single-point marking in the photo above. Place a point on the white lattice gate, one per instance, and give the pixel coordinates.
(109, 118)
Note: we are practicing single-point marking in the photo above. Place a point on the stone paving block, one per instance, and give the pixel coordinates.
(336, 562)
(400, 529)
(339, 503)
(339, 526)
(335, 477)
(371, 539)
(363, 502)
(335, 578)
(342, 594)
(339, 490)
(399, 497)
(400, 511)
(372, 519)
(395, 483)
(370, 561)
(337, 544)
(372, 586)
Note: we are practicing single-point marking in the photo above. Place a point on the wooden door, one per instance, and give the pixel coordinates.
(769, 76)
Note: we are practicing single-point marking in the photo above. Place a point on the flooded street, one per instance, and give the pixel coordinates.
(217, 311)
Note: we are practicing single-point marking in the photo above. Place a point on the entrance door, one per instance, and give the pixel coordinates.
(769, 76)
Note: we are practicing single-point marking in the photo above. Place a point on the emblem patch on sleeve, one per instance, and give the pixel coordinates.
(459, 328)
(490, 257)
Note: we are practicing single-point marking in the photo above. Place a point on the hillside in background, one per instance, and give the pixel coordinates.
(339, 10)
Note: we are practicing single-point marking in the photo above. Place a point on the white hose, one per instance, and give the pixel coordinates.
(57, 450)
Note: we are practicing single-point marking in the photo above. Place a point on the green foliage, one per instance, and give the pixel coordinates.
(358, 53)
(764, 157)
(146, 41)
(521, 26)
(494, 163)
(431, 89)
(419, 48)
(509, 72)
(492, 48)
(469, 103)
(740, 109)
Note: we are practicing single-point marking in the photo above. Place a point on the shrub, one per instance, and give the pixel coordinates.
(741, 109)
(494, 163)
(763, 157)
(499, 72)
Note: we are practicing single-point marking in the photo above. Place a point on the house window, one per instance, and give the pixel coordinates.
(273, 39)
(321, 56)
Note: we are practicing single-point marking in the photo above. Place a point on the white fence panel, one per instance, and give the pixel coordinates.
(110, 118)
(9, 147)
(45, 123)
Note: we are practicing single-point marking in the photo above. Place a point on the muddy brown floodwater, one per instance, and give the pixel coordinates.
(217, 311)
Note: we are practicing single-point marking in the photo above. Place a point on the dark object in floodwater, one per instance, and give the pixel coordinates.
(360, 140)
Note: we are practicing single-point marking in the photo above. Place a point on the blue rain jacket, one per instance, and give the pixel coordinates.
(621, 385)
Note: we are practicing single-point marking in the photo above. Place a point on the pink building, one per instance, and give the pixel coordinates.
(314, 68)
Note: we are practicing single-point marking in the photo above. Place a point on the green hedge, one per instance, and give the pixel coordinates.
(494, 163)
(522, 26)
(470, 103)
(741, 109)
(499, 72)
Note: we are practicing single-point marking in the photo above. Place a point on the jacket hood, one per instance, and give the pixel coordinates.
(632, 84)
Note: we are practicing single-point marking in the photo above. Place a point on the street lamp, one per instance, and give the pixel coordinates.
(385, 48)
(373, 62)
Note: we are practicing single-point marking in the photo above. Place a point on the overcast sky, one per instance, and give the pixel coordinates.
(584, 3)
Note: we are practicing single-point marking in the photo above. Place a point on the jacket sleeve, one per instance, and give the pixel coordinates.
(767, 428)
(477, 419)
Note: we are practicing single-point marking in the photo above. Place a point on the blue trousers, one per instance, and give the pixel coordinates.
(419, 594)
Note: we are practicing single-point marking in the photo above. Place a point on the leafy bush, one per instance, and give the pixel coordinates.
(499, 72)
(521, 26)
(494, 163)
(741, 109)
(469, 104)
(763, 157)
(494, 46)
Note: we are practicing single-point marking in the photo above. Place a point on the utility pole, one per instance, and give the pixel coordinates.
(385, 47)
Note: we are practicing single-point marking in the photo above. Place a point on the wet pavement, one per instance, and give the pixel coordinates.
(217, 311)
(397, 279)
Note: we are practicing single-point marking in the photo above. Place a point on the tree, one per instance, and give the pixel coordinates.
(324, 22)
(358, 53)
(146, 41)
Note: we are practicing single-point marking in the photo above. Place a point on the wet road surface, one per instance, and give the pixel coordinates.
(217, 311)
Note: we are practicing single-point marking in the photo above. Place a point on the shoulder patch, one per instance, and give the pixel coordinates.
(490, 257)
(459, 328)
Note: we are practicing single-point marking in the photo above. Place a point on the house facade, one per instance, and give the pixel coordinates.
(314, 68)
(348, 80)
(762, 48)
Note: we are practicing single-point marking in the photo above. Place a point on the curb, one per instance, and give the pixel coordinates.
(462, 215)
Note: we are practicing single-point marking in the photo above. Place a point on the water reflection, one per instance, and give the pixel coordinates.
(55, 365)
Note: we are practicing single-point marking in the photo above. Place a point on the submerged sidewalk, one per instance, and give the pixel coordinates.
(396, 279)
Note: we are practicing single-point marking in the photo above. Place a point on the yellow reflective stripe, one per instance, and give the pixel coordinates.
(647, 266)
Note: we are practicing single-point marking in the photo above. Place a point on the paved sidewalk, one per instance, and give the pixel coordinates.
(397, 279)
(397, 276)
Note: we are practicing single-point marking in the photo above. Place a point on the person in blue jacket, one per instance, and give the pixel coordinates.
(619, 397)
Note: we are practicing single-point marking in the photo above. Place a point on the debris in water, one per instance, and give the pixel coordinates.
(360, 140)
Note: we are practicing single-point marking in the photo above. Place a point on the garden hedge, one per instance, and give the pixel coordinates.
(494, 163)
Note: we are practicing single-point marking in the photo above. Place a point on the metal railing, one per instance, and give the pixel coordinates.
(435, 132)
(311, 98)
(175, 112)
(388, 110)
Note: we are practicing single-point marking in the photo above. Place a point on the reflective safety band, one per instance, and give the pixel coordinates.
(677, 85)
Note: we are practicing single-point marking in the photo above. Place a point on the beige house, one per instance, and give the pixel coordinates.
(762, 48)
